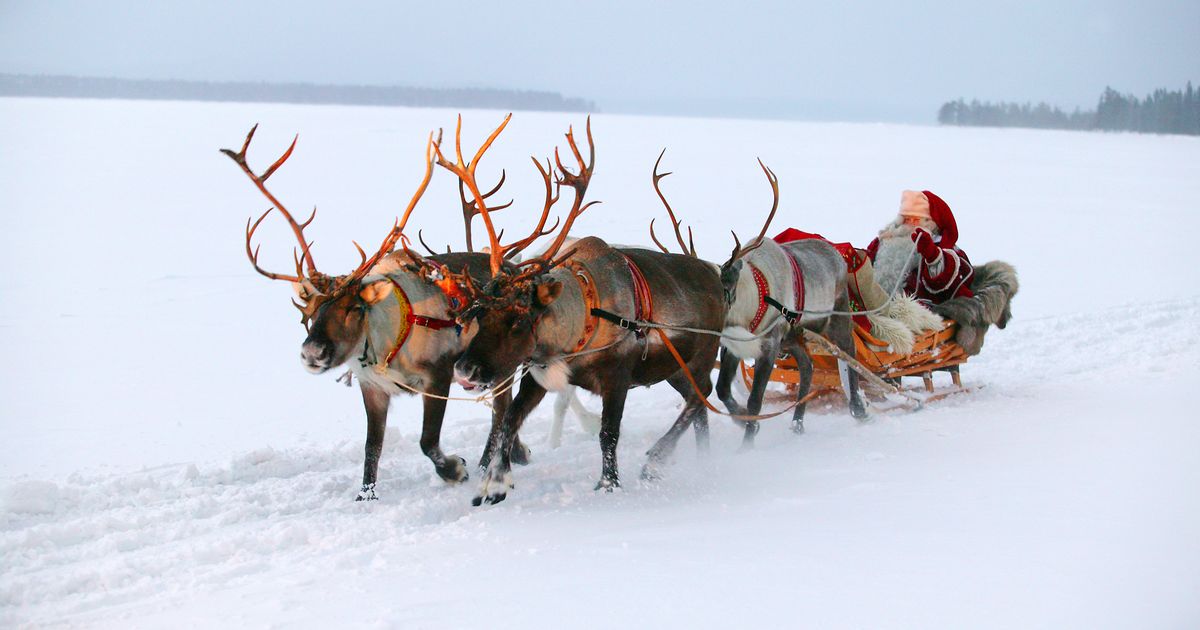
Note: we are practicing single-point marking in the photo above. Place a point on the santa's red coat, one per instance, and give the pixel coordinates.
(951, 279)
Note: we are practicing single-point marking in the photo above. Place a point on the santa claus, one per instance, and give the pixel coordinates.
(920, 248)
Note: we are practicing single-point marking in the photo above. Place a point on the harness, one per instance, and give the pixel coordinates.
(408, 320)
(587, 286)
(764, 290)
(798, 280)
(643, 303)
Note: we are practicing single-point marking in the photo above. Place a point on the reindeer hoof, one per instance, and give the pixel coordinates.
(860, 413)
(797, 426)
(519, 454)
(367, 493)
(495, 488)
(608, 485)
(453, 470)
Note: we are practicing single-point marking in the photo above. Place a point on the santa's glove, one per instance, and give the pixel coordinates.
(925, 246)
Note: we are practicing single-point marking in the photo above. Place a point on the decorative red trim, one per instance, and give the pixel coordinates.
(643, 302)
(760, 281)
(798, 279)
(410, 320)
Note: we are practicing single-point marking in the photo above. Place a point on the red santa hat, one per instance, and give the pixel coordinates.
(939, 211)
(926, 205)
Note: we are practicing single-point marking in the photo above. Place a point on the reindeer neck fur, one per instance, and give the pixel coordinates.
(423, 348)
(560, 326)
(771, 260)
(557, 331)
(894, 259)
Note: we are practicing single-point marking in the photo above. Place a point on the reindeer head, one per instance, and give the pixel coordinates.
(506, 309)
(333, 308)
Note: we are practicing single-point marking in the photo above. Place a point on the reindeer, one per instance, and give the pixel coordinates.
(772, 293)
(570, 317)
(394, 327)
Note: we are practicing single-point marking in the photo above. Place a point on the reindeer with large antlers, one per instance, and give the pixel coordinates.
(771, 292)
(569, 318)
(394, 327)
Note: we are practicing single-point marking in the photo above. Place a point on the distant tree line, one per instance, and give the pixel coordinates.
(1162, 111)
(483, 98)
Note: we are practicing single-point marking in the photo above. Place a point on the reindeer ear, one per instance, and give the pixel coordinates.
(375, 292)
(302, 291)
(548, 292)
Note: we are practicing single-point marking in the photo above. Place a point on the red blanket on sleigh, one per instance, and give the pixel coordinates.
(854, 261)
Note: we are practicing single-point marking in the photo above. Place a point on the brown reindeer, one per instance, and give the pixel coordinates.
(568, 318)
(394, 327)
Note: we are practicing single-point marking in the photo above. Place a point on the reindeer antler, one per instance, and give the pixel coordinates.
(470, 210)
(691, 251)
(397, 230)
(738, 251)
(466, 175)
(577, 181)
(303, 256)
(260, 182)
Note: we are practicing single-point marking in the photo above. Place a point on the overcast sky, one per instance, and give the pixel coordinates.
(878, 60)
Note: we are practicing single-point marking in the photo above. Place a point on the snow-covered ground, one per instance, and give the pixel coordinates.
(165, 461)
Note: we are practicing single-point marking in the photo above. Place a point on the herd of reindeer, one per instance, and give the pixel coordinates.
(581, 313)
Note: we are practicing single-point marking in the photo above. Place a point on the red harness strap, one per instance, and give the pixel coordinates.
(764, 289)
(798, 277)
(643, 302)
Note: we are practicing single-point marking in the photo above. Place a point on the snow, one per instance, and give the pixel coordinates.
(166, 461)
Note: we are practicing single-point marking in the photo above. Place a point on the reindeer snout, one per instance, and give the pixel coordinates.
(316, 357)
(469, 375)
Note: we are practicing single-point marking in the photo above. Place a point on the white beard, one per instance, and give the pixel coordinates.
(894, 259)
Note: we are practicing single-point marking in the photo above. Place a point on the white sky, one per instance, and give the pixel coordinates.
(850, 60)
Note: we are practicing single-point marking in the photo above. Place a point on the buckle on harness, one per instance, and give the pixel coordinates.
(788, 314)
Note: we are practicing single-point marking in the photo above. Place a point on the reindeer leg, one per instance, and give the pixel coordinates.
(562, 400)
(692, 410)
(795, 347)
(497, 481)
(500, 405)
(841, 331)
(451, 469)
(729, 370)
(376, 403)
(610, 432)
(764, 364)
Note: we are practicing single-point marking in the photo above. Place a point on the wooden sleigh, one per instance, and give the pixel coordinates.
(935, 351)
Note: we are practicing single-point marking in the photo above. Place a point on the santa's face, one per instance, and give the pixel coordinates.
(903, 225)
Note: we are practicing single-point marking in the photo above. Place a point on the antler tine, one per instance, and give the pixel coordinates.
(654, 238)
(421, 237)
(774, 183)
(470, 209)
(758, 241)
(260, 181)
(398, 227)
(552, 196)
(737, 248)
(252, 254)
(675, 223)
(579, 182)
(466, 173)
